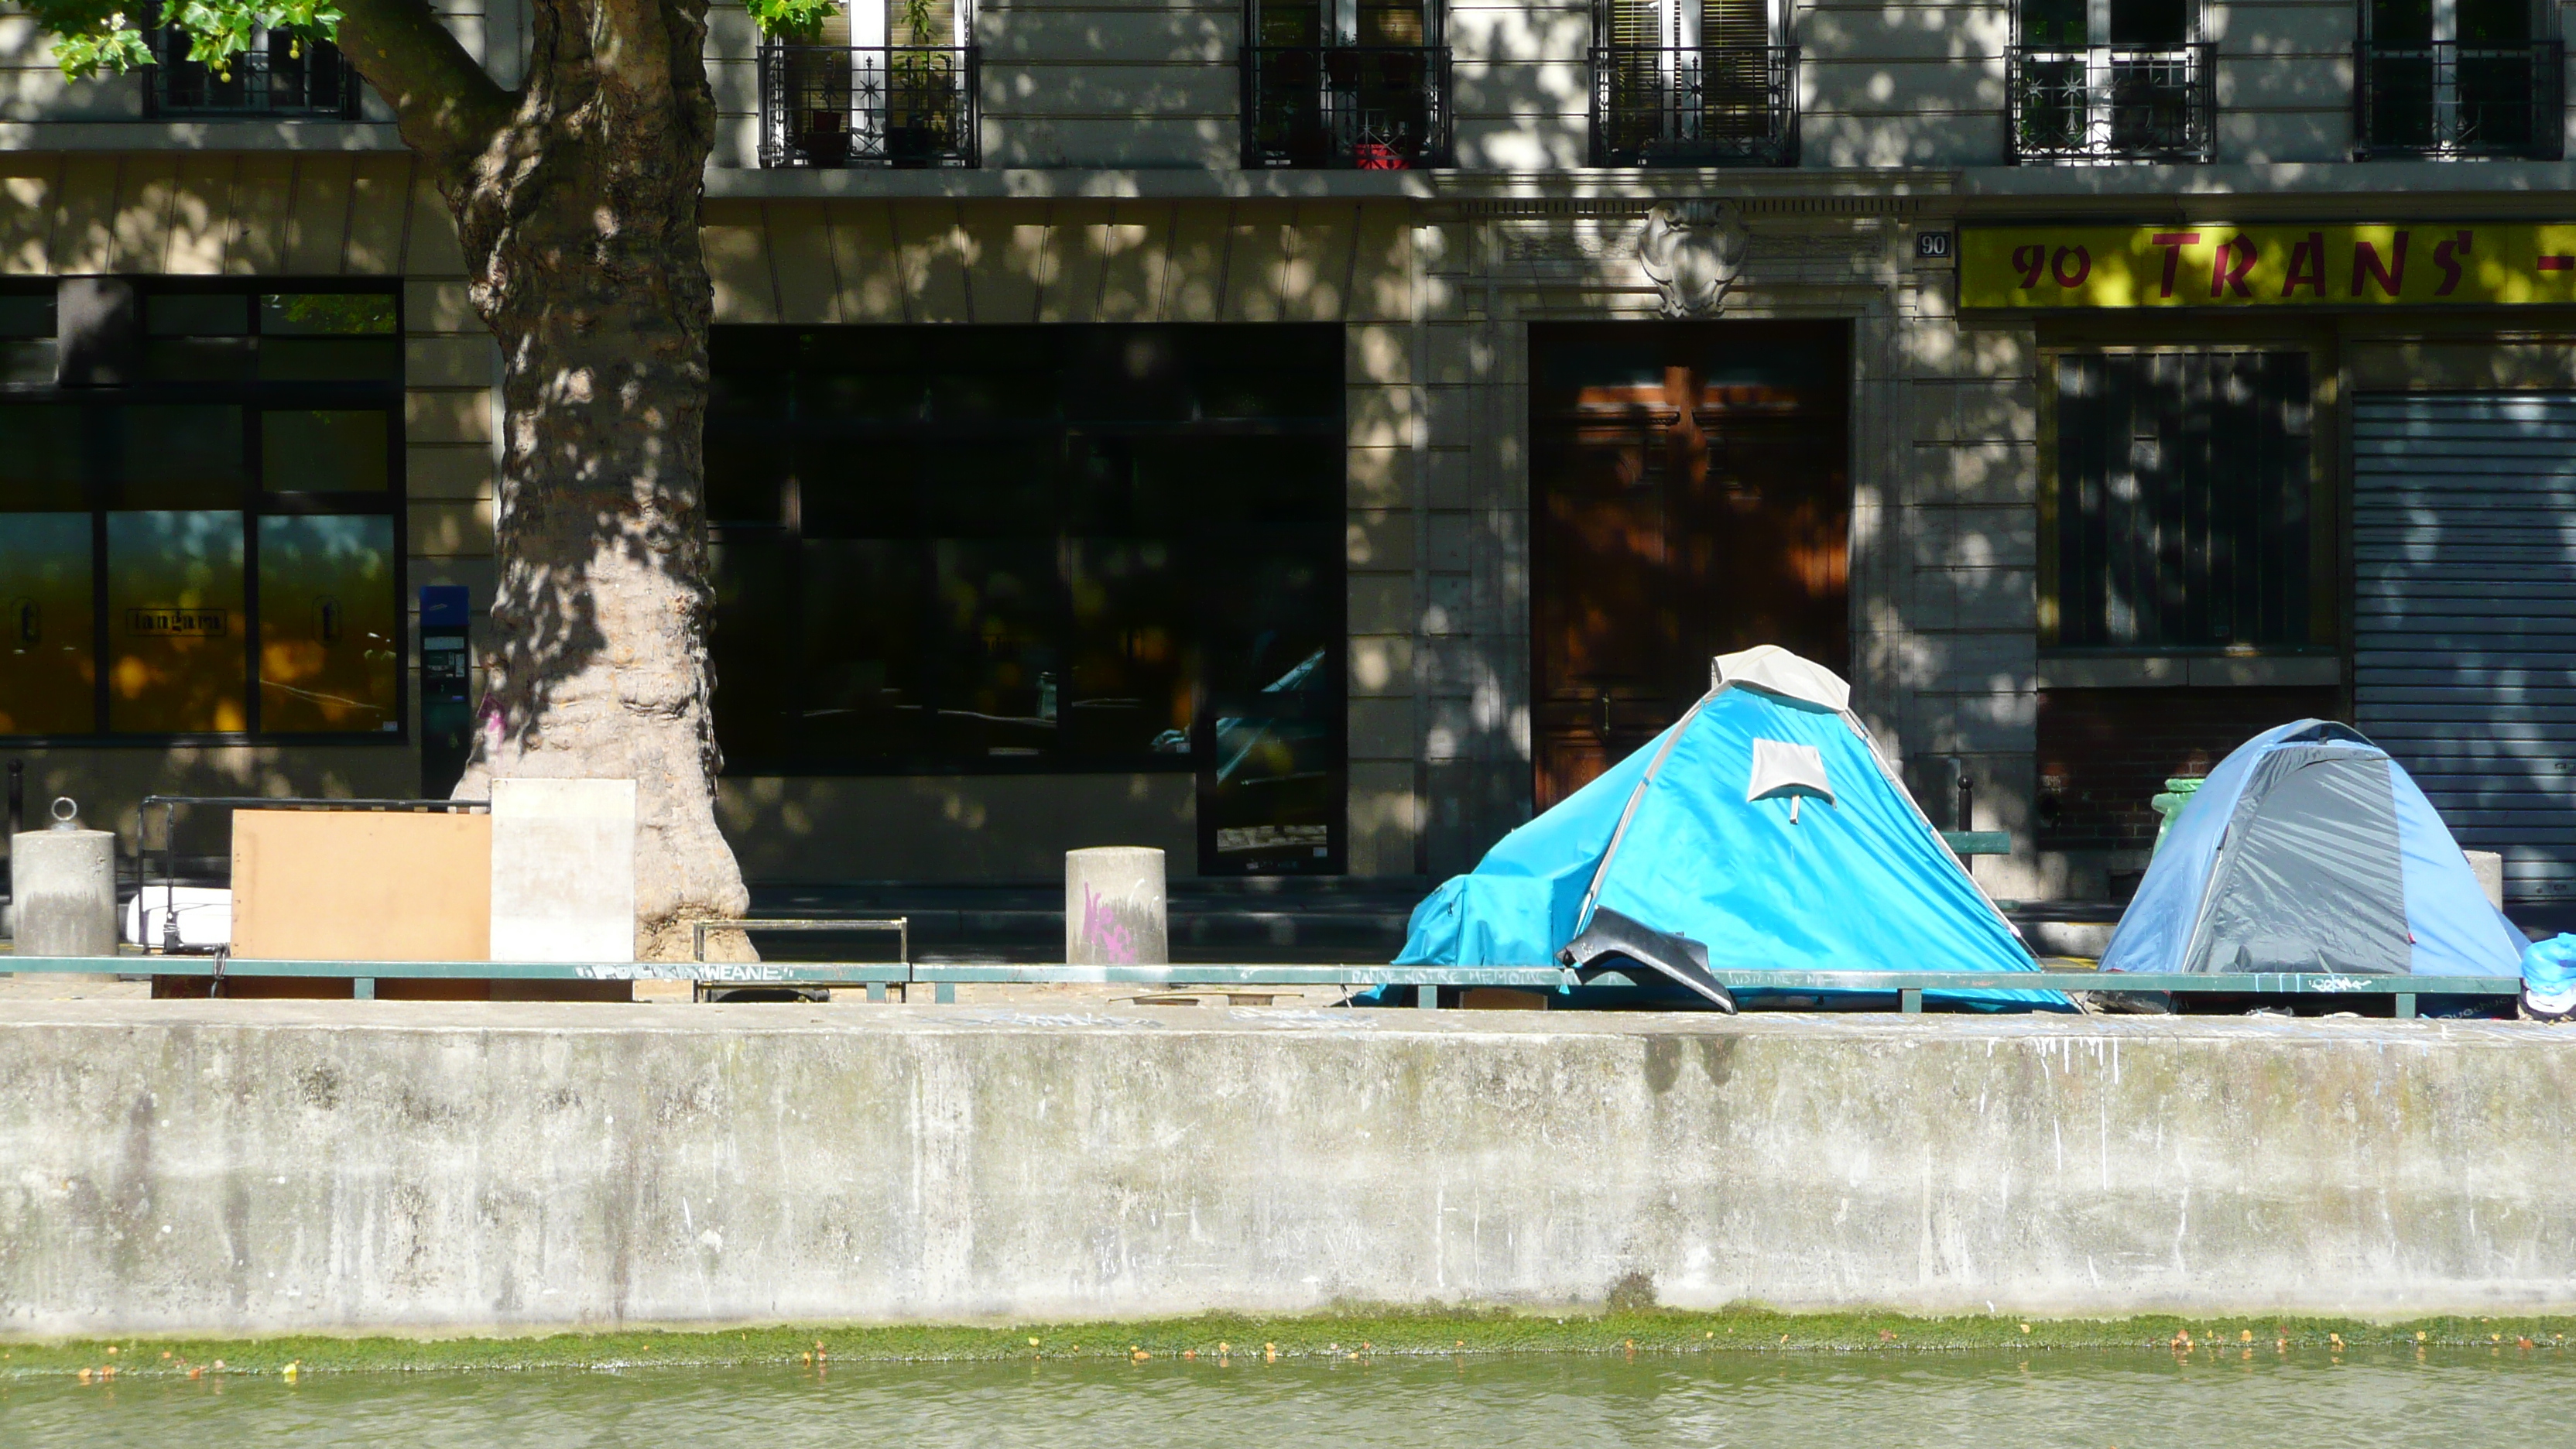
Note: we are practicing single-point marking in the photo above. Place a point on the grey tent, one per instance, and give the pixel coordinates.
(2309, 849)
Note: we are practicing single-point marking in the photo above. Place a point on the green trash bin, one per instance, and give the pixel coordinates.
(2171, 804)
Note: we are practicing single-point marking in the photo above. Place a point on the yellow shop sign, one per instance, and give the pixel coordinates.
(2200, 265)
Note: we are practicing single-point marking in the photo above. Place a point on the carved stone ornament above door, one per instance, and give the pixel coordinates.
(1693, 252)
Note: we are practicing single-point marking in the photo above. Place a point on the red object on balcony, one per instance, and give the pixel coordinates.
(1377, 156)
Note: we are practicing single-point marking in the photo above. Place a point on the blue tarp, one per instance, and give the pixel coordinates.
(1858, 883)
(2443, 923)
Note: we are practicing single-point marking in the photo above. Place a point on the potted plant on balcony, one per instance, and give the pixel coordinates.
(921, 99)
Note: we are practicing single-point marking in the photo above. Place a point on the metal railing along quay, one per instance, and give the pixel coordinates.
(880, 977)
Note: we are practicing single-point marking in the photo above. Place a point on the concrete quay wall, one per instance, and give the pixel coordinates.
(257, 1167)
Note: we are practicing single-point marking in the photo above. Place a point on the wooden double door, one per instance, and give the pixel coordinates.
(1690, 496)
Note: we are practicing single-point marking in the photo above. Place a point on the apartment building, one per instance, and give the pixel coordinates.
(1309, 435)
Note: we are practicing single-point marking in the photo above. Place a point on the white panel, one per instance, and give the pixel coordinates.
(2464, 623)
(563, 870)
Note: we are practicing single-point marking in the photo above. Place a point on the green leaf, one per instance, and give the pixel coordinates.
(92, 37)
(791, 19)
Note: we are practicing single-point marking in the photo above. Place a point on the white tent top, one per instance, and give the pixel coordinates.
(1770, 667)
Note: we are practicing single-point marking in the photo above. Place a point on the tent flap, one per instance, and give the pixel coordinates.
(2310, 881)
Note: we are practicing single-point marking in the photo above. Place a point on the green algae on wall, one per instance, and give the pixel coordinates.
(1227, 1338)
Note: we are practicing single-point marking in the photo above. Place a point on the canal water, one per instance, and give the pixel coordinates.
(2089, 1399)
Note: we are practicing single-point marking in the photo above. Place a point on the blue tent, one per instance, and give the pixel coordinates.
(2309, 849)
(1762, 831)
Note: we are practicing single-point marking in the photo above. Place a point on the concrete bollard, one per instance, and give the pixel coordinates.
(62, 888)
(2488, 867)
(1114, 911)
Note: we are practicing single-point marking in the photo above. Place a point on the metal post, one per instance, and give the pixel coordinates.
(1426, 996)
(944, 994)
(169, 877)
(17, 797)
(1910, 1001)
(363, 988)
(2406, 1006)
(876, 991)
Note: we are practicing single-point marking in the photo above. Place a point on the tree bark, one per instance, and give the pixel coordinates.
(576, 202)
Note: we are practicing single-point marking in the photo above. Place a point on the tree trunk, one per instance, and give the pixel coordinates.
(579, 220)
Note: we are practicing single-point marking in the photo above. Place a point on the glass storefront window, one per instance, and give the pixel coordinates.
(177, 456)
(327, 337)
(1005, 549)
(2178, 515)
(330, 644)
(28, 354)
(323, 452)
(48, 649)
(41, 456)
(212, 547)
(176, 614)
(197, 337)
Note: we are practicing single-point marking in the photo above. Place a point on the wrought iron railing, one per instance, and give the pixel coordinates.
(2454, 100)
(1373, 107)
(1734, 105)
(2111, 103)
(281, 75)
(870, 105)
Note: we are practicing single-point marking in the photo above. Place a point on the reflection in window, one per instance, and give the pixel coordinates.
(48, 657)
(1042, 548)
(328, 337)
(330, 646)
(207, 496)
(176, 612)
(322, 452)
(326, 314)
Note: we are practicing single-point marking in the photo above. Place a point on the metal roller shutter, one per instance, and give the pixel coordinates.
(2464, 628)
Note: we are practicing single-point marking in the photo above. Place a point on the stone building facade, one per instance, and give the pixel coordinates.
(1646, 332)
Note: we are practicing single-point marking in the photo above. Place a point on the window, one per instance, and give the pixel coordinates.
(2181, 512)
(1039, 549)
(1693, 83)
(883, 82)
(2456, 79)
(283, 75)
(199, 516)
(2095, 81)
(1345, 83)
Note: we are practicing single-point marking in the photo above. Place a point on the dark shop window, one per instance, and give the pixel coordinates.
(199, 511)
(998, 549)
(2179, 515)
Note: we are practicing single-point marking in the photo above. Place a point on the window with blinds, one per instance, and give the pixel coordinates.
(2180, 513)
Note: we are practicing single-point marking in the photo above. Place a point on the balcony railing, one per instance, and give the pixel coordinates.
(870, 105)
(2453, 100)
(280, 76)
(1373, 107)
(1697, 106)
(2111, 103)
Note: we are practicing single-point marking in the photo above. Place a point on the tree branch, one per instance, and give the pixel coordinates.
(447, 107)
